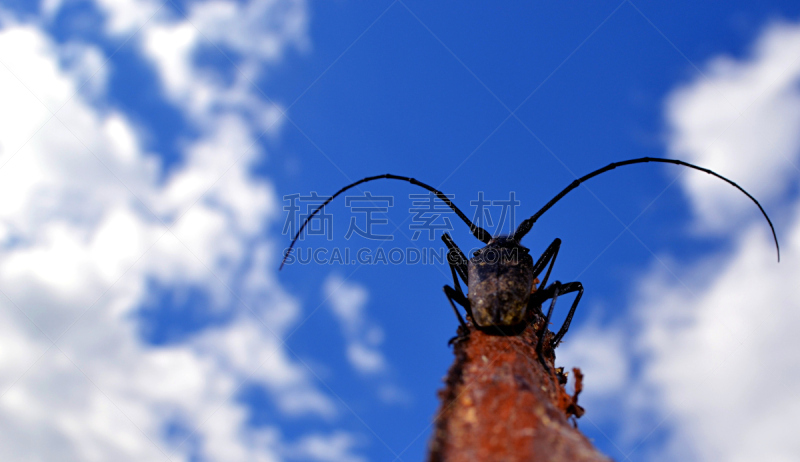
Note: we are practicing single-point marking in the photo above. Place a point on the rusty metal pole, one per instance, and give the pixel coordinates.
(500, 403)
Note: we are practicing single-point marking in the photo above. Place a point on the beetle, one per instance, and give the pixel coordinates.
(501, 277)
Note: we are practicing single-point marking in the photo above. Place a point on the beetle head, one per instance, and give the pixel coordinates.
(503, 244)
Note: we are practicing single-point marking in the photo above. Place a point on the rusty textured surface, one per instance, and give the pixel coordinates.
(500, 403)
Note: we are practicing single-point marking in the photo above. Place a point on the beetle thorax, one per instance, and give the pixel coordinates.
(500, 282)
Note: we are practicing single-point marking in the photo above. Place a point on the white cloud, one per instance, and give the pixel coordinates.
(600, 353)
(251, 34)
(742, 122)
(127, 16)
(262, 28)
(723, 362)
(347, 301)
(715, 359)
(50, 7)
(87, 222)
(364, 358)
(327, 448)
(84, 64)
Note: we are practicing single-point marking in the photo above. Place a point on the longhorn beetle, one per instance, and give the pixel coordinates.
(500, 277)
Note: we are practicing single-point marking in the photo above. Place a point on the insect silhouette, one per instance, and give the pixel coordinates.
(501, 276)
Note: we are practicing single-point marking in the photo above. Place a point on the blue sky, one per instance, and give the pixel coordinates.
(146, 148)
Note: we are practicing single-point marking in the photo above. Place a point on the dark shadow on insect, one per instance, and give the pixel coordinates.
(500, 276)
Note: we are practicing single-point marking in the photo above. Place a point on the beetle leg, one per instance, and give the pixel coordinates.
(458, 267)
(453, 294)
(549, 256)
(456, 258)
(565, 289)
(551, 292)
(464, 300)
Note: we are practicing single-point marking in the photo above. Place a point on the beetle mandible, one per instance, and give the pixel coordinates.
(501, 276)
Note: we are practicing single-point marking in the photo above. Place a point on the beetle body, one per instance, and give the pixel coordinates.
(500, 277)
(500, 281)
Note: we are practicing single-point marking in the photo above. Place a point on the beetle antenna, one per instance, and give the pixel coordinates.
(526, 225)
(476, 231)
